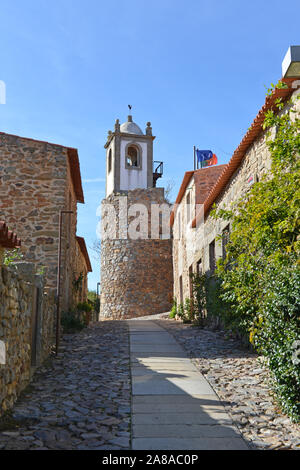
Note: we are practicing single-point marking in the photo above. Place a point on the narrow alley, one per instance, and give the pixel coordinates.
(140, 384)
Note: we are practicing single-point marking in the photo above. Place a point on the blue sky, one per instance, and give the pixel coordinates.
(196, 69)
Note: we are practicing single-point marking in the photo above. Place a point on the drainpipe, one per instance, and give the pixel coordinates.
(98, 297)
(58, 280)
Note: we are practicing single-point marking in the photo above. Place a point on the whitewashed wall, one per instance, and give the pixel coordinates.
(133, 178)
(110, 176)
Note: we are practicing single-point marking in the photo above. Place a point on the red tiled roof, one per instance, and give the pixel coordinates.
(8, 239)
(204, 180)
(75, 173)
(255, 130)
(73, 163)
(82, 246)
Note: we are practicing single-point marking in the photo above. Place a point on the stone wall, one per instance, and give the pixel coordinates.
(186, 240)
(69, 246)
(35, 184)
(27, 313)
(136, 274)
(193, 246)
(81, 271)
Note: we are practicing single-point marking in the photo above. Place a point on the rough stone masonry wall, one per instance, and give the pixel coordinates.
(255, 163)
(184, 247)
(80, 268)
(69, 247)
(136, 275)
(17, 302)
(35, 183)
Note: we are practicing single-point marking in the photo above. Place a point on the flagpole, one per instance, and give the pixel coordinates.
(194, 157)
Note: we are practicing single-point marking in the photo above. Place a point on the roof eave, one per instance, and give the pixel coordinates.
(83, 249)
(75, 174)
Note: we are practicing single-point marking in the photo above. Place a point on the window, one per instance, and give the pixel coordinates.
(225, 240)
(188, 207)
(132, 157)
(181, 290)
(179, 226)
(109, 161)
(160, 228)
(191, 281)
(212, 256)
(199, 267)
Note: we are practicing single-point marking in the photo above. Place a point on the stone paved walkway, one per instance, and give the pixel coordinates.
(81, 400)
(241, 381)
(173, 406)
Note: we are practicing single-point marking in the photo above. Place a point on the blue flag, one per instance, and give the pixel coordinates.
(204, 155)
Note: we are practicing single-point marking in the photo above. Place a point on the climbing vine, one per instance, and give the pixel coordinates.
(77, 282)
(11, 256)
(260, 277)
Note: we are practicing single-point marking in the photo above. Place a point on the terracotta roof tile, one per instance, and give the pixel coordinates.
(82, 246)
(8, 239)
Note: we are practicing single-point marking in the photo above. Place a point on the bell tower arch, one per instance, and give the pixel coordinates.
(129, 158)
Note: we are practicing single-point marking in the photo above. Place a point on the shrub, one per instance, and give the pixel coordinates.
(77, 282)
(11, 256)
(275, 334)
(71, 322)
(188, 311)
(173, 312)
(198, 298)
(84, 307)
(94, 301)
(180, 311)
(183, 311)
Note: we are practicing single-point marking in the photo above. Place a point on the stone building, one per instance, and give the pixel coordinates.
(82, 268)
(37, 180)
(199, 240)
(136, 256)
(193, 191)
(27, 310)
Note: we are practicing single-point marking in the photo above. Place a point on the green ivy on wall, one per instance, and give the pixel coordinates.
(260, 277)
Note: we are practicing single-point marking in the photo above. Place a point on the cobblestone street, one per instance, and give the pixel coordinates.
(81, 400)
(240, 380)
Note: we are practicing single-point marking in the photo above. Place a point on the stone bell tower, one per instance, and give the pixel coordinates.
(136, 272)
(129, 158)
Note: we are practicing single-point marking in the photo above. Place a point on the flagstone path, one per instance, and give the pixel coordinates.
(173, 405)
(241, 380)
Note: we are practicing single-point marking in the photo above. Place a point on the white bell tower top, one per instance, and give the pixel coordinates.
(129, 158)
